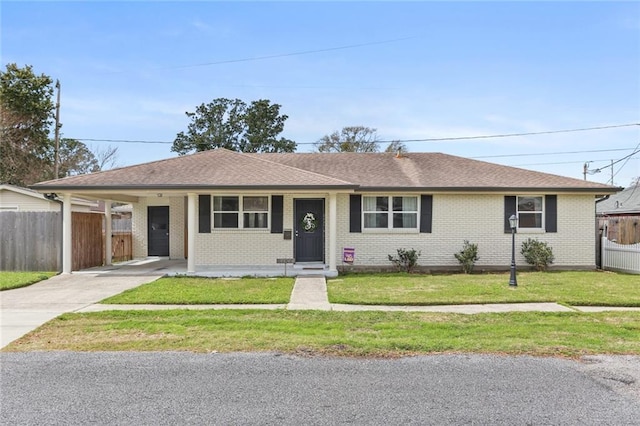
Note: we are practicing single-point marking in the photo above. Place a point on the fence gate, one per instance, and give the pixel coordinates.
(86, 234)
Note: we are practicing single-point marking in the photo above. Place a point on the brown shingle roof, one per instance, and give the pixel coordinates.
(221, 168)
(218, 168)
(428, 171)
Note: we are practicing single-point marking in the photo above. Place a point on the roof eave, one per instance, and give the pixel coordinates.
(155, 187)
(597, 191)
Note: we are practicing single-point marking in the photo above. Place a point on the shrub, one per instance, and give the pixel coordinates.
(537, 253)
(406, 260)
(467, 256)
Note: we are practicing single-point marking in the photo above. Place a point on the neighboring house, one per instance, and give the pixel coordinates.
(15, 198)
(222, 208)
(620, 213)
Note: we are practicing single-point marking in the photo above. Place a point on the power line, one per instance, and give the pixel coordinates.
(507, 135)
(550, 164)
(625, 163)
(280, 55)
(503, 135)
(552, 153)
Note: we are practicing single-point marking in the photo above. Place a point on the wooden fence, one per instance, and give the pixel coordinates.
(30, 241)
(86, 236)
(622, 229)
(620, 257)
(121, 246)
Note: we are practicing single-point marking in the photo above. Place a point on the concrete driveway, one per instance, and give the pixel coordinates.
(24, 309)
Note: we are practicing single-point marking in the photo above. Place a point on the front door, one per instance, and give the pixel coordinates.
(158, 230)
(309, 230)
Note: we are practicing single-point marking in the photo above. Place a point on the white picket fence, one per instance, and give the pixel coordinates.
(619, 257)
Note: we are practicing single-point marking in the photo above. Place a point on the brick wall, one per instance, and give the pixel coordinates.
(479, 219)
(177, 221)
(475, 217)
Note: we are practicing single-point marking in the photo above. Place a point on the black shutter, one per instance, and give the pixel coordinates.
(204, 214)
(276, 214)
(426, 213)
(551, 213)
(355, 213)
(509, 209)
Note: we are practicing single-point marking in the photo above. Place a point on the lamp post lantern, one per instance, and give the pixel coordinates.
(513, 223)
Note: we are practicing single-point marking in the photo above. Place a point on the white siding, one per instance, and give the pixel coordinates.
(23, 202)
(26, 202)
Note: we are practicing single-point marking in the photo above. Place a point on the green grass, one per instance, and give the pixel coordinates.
(195, 290)
(573, 288)
(354, 334)
(9, 280)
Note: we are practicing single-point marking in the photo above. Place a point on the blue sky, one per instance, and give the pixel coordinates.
(414, 70)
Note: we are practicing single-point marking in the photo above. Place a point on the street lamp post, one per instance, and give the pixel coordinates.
(513, 223)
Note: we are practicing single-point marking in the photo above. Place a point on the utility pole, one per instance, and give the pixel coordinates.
(611, 172)
(57, 133)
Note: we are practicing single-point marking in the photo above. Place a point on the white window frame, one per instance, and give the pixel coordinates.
(390, 212)
(541, 212)
(240, 213)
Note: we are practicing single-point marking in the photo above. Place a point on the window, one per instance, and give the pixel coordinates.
(536, 213)
(530, 211)
(390, 212)
(255, 211)
(241, 212)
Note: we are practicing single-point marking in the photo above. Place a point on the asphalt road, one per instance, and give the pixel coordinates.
(48, 388)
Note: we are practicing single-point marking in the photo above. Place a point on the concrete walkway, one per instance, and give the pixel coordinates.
(23, 310)
(309, 293)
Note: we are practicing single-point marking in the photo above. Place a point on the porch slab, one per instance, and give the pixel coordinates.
(257, 271)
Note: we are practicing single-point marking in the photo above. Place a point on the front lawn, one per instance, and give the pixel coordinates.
(362, 334)
(197, 290)
(10, 279)
(570, 287)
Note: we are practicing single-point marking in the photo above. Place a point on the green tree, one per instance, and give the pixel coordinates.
(26, 114)
(234, 125)
(349, 139)
(76, 159)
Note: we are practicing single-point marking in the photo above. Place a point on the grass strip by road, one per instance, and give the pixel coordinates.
(198, 290)
(581, 288)
(10, 280)
(353, 334)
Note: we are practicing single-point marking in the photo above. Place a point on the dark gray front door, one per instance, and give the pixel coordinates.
(309, 230)
(158, 230)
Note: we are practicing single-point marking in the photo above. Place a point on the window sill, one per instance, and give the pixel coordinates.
(390, 231)
(248, 230)
(530, 231)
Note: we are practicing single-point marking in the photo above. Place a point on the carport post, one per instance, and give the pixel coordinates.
(191, 232)
(333, 232)
(66, 234)
(107, 233)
